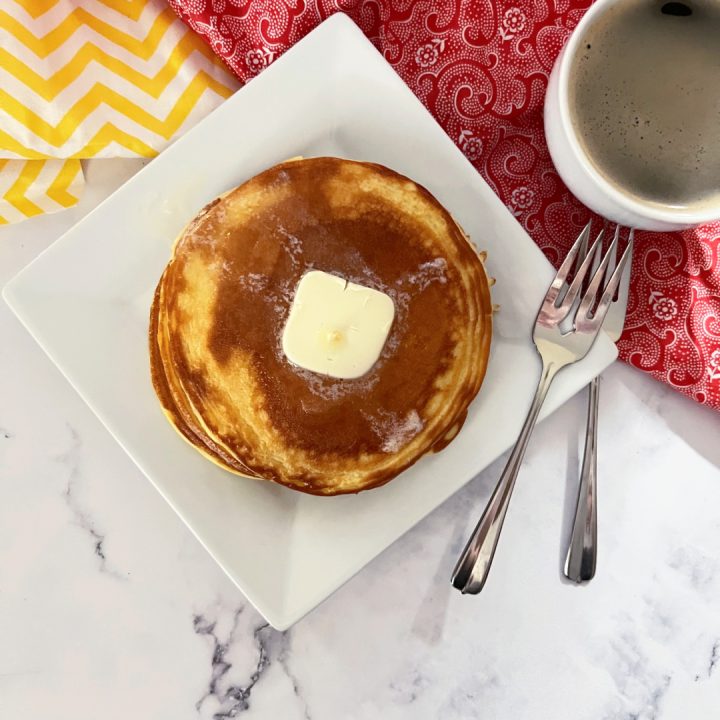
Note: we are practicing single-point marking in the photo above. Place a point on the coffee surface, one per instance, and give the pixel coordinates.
(645, 100)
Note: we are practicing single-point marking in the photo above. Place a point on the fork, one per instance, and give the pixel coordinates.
(581, 559)
(557, 348)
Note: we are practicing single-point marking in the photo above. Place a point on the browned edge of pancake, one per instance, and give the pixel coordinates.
(180, 417)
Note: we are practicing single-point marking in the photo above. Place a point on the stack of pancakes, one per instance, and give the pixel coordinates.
(221, 305)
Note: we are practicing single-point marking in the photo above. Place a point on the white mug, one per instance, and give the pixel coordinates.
(574, 166)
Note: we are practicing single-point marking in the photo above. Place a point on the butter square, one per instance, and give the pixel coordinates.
(336, 327)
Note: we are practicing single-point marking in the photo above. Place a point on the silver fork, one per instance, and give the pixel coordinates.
(581, 559)
(557, 349)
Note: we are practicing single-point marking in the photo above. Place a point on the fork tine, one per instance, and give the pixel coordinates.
(582, 252)
(566, 267)
(624, 286)
(613, 249)
(591, 293)
(579, 278)
(610, 289)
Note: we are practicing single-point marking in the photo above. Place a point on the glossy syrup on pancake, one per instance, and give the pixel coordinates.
(229, 289)
(370, 249)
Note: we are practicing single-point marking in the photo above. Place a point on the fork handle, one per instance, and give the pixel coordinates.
(582, 554)
(473, 566)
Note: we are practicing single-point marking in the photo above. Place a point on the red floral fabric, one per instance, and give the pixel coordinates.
(481, 68)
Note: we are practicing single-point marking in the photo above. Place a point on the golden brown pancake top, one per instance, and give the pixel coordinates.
(375, 248)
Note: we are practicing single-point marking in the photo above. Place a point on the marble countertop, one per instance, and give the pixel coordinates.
(109, 608)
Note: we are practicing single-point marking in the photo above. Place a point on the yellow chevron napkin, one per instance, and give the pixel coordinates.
(93, 78)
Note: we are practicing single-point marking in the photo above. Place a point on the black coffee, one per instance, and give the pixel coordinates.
(645, 100)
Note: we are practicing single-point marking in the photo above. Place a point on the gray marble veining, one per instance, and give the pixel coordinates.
(70, 460)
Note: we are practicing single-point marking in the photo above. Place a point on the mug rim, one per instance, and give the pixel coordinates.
(662, 213)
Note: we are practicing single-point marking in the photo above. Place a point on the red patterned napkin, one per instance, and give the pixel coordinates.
(481, 68)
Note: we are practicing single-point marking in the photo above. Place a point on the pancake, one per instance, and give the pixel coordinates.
(175, 405)
(221, 305)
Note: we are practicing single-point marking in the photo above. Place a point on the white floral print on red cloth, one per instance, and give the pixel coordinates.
(481, 68)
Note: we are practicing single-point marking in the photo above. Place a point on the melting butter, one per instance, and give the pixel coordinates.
(336, 327)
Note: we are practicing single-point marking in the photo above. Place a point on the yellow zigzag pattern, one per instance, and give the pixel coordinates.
(20, 201)
(65, 104)
(36, 8)
(58, 134)
(49, 88)
(130, 8)
(50, 42)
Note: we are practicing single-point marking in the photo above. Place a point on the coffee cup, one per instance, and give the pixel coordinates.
(632, 112)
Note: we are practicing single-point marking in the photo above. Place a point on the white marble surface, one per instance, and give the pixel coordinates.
(109, 608)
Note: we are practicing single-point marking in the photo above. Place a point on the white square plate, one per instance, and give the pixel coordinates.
(86, 301)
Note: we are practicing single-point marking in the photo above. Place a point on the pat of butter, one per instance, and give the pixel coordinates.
(336, 327)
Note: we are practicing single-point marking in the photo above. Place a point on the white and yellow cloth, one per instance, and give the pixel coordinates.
(93, 78)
